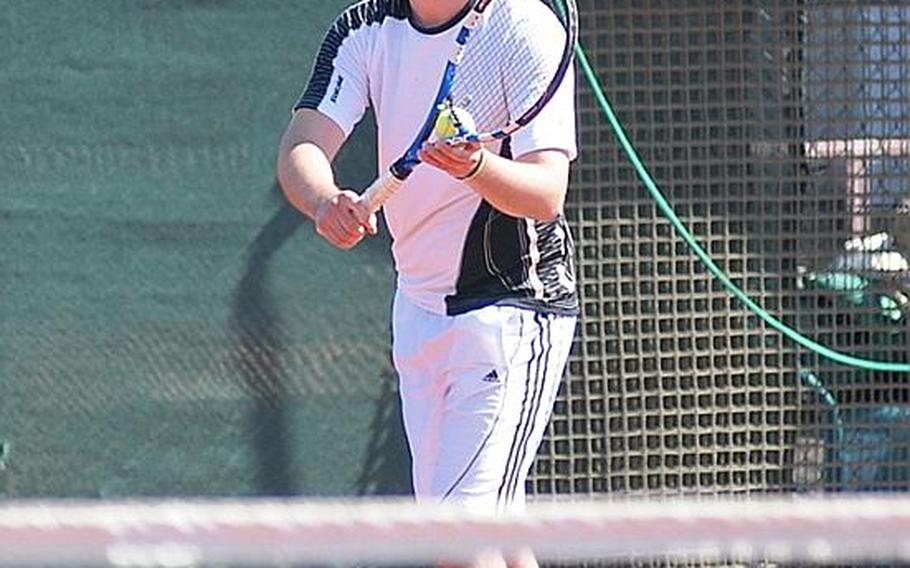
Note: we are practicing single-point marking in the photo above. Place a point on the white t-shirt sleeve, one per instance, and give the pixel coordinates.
(338, 86)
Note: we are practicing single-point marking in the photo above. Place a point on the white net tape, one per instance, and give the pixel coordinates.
(259, 532)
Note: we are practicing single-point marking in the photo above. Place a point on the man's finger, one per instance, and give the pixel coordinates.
(341, 235)
(440, 160)
(355, 223)
(371, 226)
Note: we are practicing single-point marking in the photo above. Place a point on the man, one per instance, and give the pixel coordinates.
(484, 312)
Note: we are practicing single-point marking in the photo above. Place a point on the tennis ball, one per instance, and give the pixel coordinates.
(448, 121)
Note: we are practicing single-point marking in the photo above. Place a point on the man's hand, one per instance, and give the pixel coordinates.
(457, 160)
(337, 221)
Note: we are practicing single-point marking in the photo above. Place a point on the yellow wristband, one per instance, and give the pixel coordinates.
(475, 171)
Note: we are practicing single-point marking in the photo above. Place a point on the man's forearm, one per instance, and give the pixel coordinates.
(305, 174)
(306, 177)
(535, 189)
(532, 186)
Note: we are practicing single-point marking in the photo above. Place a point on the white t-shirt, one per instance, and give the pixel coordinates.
(453, 251)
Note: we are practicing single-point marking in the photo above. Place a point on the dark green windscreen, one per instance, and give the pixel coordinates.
(168, 326)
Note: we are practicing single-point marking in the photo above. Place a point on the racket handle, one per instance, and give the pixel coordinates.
(378, 193)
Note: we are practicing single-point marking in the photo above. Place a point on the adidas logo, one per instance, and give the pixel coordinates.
(491, 377)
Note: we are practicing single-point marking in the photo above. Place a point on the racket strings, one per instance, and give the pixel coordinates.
(510, 64)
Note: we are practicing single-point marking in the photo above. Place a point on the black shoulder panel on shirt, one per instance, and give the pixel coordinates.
(364, 13)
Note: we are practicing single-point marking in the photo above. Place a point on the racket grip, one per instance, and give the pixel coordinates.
(378, 193)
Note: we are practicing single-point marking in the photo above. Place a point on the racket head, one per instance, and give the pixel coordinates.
(514, 65)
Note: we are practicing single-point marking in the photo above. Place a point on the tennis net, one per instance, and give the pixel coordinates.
(254, 532)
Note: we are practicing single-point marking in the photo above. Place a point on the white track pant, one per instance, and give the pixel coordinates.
(477, 391)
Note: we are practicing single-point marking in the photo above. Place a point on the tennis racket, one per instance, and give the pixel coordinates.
(497, 74)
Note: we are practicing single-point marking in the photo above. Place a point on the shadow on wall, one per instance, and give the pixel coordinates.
(260, 349)
(382, 473)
